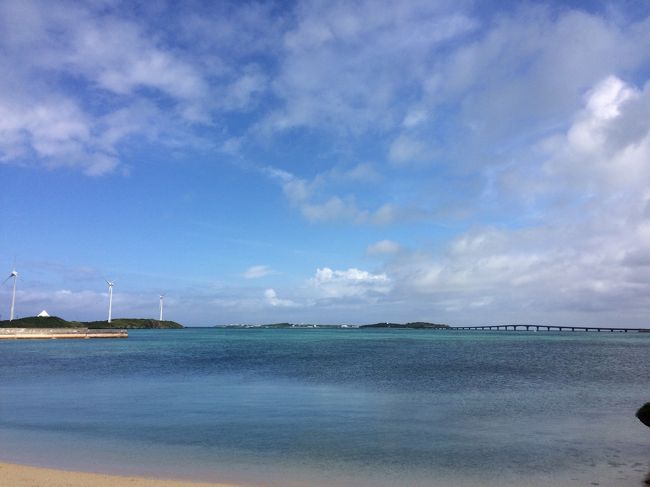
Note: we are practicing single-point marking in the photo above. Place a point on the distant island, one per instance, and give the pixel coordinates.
(414, 325)
(56, 322)
(280, 325)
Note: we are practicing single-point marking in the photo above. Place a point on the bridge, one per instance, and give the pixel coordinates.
(549, 328)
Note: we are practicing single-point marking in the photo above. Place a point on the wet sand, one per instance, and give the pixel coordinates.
(12, 475)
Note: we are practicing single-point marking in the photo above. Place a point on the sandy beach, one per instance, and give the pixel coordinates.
(12, 475)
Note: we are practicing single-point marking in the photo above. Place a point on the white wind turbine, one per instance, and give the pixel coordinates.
(110, 299)
(13, 274)
(162, 299)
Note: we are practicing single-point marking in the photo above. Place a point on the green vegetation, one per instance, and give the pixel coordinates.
(277, 325)
(414, 325)
(56, 322)
(37, 322)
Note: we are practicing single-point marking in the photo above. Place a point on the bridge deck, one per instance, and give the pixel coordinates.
(551, 328)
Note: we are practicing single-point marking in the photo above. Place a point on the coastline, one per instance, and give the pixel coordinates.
(60, 333)
(15, 475)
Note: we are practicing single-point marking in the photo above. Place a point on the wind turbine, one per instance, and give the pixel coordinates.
(13, 274)
(162, 299)
(110, 299)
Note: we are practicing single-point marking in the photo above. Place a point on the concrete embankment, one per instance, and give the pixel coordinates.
(55, 333)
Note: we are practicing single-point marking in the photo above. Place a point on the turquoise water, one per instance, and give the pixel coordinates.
(333, 407)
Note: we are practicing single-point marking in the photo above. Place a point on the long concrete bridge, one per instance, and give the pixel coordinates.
(549, 328)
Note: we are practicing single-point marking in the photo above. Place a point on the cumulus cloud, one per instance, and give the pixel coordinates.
(350, 283)
(587, 258)
(272, 299)
(607, 144)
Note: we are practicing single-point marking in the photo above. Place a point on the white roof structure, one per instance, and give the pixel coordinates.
(43, 314)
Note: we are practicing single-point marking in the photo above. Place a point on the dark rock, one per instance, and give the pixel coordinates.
(644, 414)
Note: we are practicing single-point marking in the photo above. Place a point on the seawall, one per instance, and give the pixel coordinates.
(56, 333)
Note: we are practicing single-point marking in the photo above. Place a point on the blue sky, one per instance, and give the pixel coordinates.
(458, 162)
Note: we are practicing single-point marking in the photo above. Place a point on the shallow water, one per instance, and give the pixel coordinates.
(333, 407)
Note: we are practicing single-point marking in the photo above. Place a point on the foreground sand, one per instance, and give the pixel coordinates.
(22, 476)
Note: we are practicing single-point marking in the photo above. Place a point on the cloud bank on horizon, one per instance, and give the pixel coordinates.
(456, 162)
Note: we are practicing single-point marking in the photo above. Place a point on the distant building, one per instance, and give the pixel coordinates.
(43, 314)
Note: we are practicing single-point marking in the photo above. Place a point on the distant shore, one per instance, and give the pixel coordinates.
(24, 476)
(119, 323)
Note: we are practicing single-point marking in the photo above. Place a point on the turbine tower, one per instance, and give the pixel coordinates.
(162, 299)
(110, 299)
(13, 274)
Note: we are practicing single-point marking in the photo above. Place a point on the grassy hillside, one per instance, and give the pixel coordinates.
(133, 323)
(56, 322)
(36, 322)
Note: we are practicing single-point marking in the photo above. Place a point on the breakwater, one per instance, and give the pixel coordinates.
(56, 333)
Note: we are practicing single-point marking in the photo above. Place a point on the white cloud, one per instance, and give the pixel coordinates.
(396, 64)
(407, 150)
(359, 173)
(116, 55)
(117, 64)
(383, 247)
(599, 150)
(528, 71)
(57, 130)
(308, 196)
(361, 39)
(415, 116)
(331, 210)
(243, 90)
(257, 271)
(350, 283)
(272, 299)
(587, 258)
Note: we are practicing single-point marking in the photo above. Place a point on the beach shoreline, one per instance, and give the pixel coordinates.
(15, 475)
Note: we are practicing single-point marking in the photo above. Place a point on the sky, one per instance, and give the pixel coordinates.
(460, 162)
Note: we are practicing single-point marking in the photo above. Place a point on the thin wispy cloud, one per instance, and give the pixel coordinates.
(258, 271)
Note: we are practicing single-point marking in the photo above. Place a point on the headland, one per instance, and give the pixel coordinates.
(121, 323)
(53, 327)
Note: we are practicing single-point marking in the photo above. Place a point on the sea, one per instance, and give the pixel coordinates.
(333, 407)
